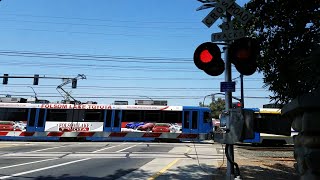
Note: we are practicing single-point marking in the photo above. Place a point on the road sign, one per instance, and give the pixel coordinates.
(207, 1)
(227, 86)
(214, 15)
(227, 35)
(237, 11)
(206, 6)
(227, 26)
(227, 5)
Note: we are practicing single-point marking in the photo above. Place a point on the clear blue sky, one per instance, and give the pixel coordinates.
(155, 41)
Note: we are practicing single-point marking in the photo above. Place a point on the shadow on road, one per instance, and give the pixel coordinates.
(274, 172)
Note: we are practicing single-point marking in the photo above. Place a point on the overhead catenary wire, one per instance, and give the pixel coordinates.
(136, 87)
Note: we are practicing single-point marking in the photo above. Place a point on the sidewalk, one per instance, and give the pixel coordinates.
(197, 161)
(202, 165)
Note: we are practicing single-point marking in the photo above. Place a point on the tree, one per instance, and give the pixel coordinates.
(217, 107)
(288, 32)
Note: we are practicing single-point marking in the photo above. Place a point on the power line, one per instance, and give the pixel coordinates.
(100, 77)
(103, 25)
(132, 97)
(103, 20)
(142, 87)
(97, 33)
(104, 67)
(152, 89)
(97, 58)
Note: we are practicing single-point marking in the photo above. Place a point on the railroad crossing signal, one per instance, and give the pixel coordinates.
(230, 6)
(207, 57)
(222, 6)
(243, 54)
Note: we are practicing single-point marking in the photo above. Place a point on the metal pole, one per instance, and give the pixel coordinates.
(228, 98)
(242, 93)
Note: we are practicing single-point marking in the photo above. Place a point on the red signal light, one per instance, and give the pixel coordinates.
(243, 54)
(205, 56)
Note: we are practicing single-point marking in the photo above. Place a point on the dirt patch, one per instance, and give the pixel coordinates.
(262, 168)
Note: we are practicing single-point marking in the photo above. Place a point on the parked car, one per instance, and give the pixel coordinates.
(134, 125)
(146, 127)
(175, 128)
(161, 127)
(19, 126)
(216, 123)
(6, 126)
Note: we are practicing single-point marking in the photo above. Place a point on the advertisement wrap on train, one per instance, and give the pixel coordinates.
(103, 121)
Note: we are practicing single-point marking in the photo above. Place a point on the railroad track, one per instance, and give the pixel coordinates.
(257, 148)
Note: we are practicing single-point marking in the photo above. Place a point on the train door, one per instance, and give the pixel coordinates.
(205, 120)
(107, 121)
(36, 120)
(190, 122)
(31, 124)
(40, 120)
(186, 121)
(116, 121)
(194, 126)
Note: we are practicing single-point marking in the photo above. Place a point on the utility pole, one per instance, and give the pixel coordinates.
(242, 93)
(228, 98)
(239, 50)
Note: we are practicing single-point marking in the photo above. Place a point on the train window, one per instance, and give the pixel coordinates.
(194, 120)
(14, 114)
(265, 122)
(186, 119)
(171, 117)
(58, 114)
(32, 117)
(117, 115)
(131, 116)
(207, 117)
(152, 116)
(109, 118)
(77, 115)
(41, 118)
(94, 115)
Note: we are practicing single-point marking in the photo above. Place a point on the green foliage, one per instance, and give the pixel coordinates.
(217, 107)
(288, 32)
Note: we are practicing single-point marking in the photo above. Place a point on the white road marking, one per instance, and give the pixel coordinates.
(107, 148)
(41, 169)
(48, 148)
(128, 147)
(16, 165)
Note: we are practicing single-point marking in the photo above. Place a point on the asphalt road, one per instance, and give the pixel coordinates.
(106, 160)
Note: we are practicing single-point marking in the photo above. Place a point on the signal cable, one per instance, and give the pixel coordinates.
(195, 149)
(237, 172)
(222, 157)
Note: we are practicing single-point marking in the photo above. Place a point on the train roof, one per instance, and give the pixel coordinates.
(97, 106)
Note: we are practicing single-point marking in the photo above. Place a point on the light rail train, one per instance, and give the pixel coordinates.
(102, 122)
(271, 115)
